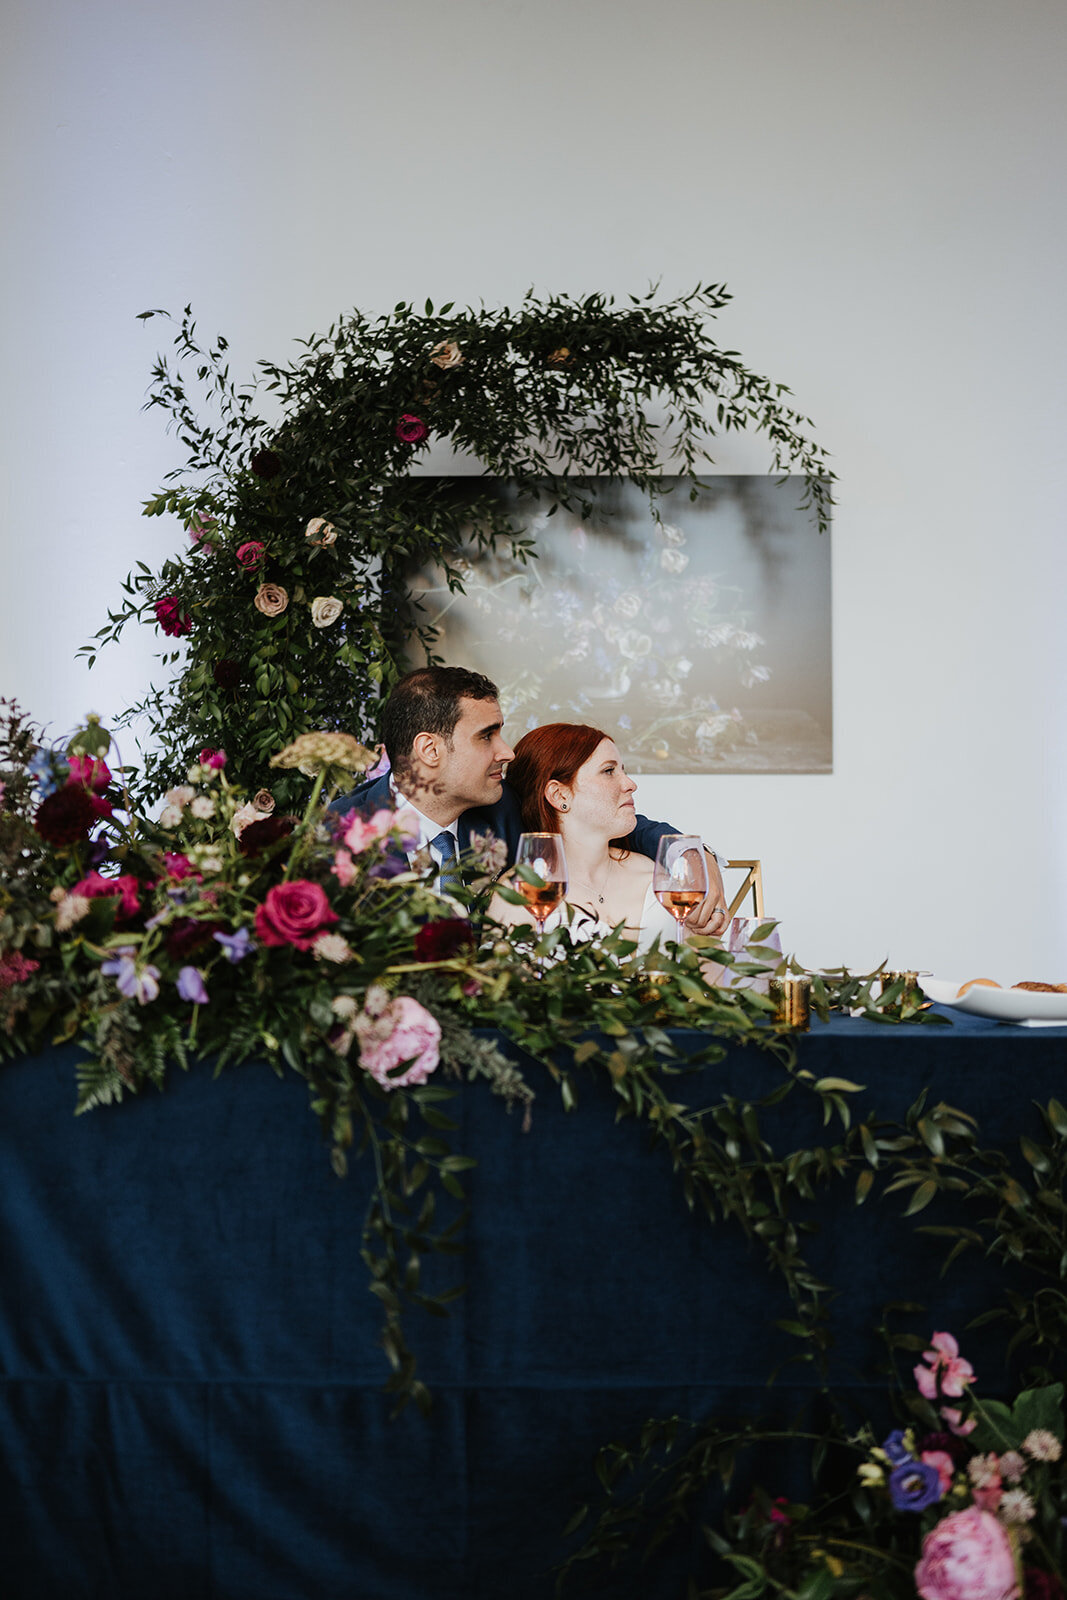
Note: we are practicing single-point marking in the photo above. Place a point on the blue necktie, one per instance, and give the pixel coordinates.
(445, 846)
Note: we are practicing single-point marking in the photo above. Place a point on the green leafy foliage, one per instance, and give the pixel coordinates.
(290, 607)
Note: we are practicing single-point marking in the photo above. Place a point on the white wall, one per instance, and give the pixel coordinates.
(880, 182)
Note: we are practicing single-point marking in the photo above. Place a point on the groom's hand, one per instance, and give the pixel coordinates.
(710, 914)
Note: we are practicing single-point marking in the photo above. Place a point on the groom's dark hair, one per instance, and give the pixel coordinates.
(427, 701)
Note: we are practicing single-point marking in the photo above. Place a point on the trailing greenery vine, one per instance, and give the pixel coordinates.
(306, 515)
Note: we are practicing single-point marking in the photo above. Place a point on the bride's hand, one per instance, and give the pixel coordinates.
(710, 915)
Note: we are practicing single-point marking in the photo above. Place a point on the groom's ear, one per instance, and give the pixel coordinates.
(426, 747)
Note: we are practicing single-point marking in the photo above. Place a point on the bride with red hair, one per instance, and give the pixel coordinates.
(570, 780)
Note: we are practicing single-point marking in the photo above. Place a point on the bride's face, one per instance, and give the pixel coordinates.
(601, 797)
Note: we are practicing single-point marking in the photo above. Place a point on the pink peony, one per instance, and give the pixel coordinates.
(411, 429)
(250, 555)
(293, 913)
(403, 1032)
(171, 618)
(967, 1556)
(90, 772)
(360, 834)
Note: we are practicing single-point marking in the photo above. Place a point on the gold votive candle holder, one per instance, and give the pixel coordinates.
(792, 1001)
(911, 994)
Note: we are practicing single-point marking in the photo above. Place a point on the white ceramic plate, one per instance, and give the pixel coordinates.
(1027, 1007)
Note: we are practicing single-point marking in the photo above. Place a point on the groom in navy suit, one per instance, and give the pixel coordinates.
(442, 730)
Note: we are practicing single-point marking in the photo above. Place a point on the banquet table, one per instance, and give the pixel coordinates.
(192, 1377)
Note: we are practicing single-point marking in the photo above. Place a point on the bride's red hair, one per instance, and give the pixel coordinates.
(555, 751)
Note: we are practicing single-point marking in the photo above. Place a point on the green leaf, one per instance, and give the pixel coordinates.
(924, 1193)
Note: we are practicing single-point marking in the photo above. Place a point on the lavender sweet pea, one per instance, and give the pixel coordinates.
(190, 986)
(136, 983)
(235, 946)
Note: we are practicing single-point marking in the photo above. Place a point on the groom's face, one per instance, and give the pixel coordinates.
(472, 762)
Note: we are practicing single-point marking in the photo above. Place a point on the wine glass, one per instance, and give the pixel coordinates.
(543, 856)
(680, 876)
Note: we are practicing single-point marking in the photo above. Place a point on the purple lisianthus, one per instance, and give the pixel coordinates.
(235, 946)
(136, 983)
(914, 1485)
(190, 986)
(391, 865)
(896, 1449)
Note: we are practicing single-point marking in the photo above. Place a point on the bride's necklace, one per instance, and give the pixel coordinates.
(598, 894)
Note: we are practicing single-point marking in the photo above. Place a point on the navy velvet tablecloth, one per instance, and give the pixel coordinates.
(191, 1373)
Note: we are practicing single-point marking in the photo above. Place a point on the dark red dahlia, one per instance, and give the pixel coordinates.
(265, 463)
(1041, 1585)
(259, 836)
(227, 673)
(66, 816)
(188, 936)
(441, 940)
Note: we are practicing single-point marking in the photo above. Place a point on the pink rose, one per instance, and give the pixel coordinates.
(411, 429)
(171, 618)
(250, 554)
(96, 887)
(293, 913)
(90, 772)
(403, 1032)
(360, 834)
(967, 1556)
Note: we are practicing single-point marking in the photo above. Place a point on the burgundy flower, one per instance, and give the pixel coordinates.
(67, 815)
(16, 968)
(259, 836)
(294, 913)
(441, 940)
(213, 758)
(188, 935)
(250, 554)
(227, 673)
(171, 618)
(265, 463)
(411, 429)
(1040, 1585)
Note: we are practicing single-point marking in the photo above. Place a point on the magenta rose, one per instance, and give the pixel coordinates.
(90, 772)
(967, 1556)
(124, 888)
(404, 1032)
(171, 618)
(293, 913)
(411, 429)
(210, 757)
(251, 554)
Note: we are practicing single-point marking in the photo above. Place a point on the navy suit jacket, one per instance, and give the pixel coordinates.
(504, 818)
